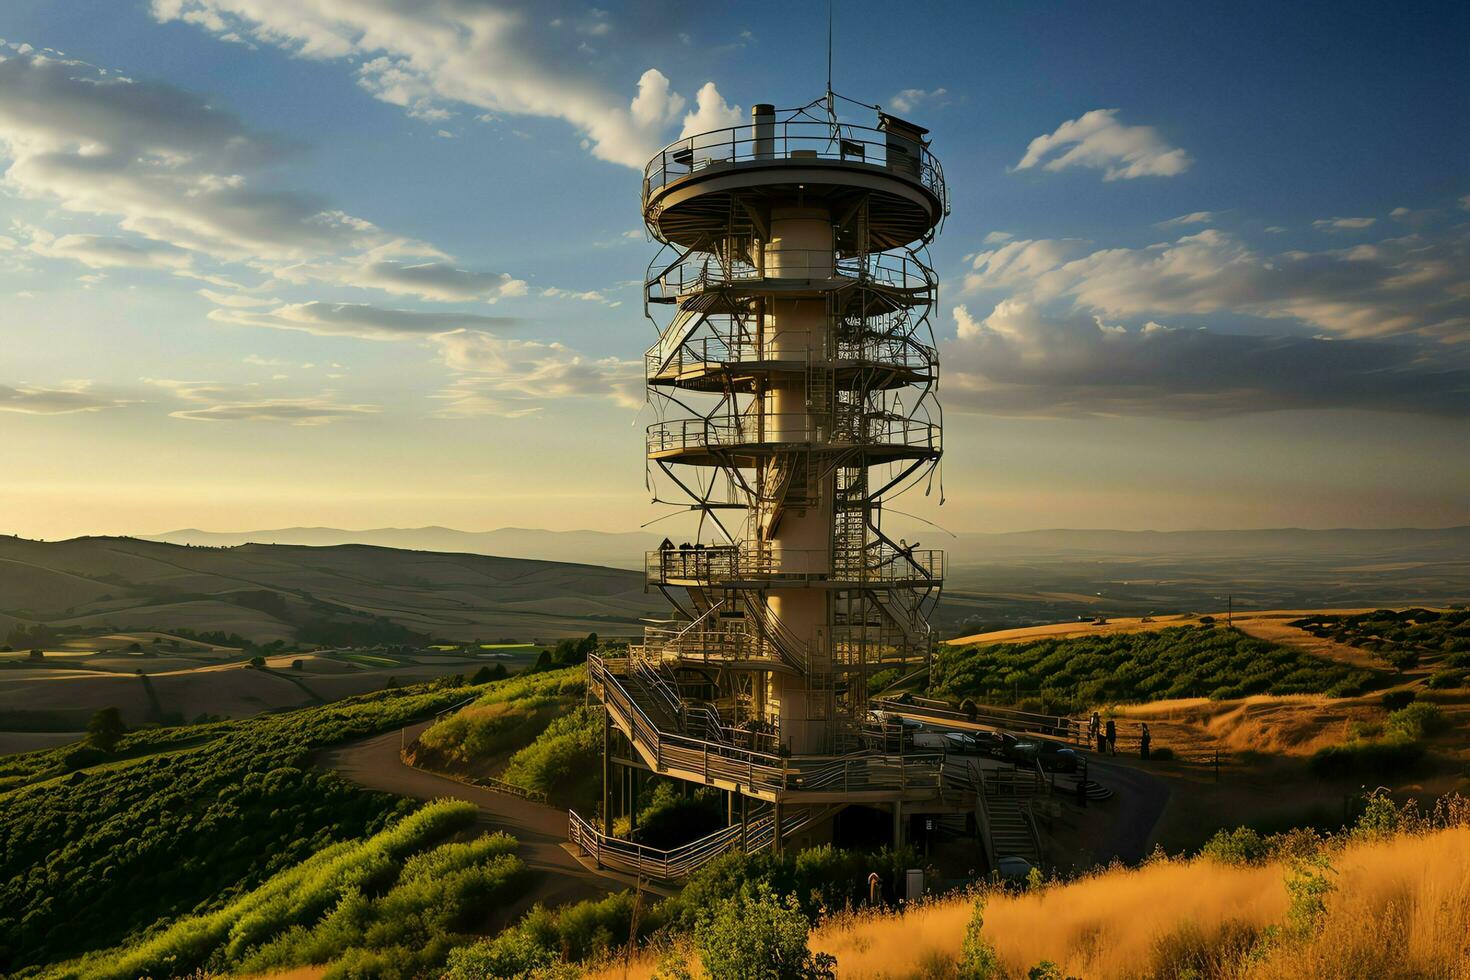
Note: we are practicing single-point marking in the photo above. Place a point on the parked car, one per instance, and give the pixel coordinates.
(997, 745)
(962, 743)
(1054, 756)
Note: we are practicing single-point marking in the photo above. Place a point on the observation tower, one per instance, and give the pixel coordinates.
(794, 380)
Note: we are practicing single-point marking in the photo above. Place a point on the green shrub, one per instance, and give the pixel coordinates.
(1394, 700)
(543, 938)
(563, 761)
(978, 958)
(670, 818)
(1241, 846)
(1163, 754)
(1447, 677)
(1418, 720)
(757, 935)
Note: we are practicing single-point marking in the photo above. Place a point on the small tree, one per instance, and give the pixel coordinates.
(257, 661)
(105, 729)
(755, 934)
(978, 958)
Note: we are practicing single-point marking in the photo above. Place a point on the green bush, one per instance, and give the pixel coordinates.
(1447, 677)
(564, 760)
(757, 935)
(1394, 700)
(1241, 846)
(1418, 720)
(666, 817)
(543, 937)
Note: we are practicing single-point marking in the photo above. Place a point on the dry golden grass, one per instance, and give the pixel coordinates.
(1400, 908)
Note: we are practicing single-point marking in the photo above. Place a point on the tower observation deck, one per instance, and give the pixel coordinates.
(794, 379)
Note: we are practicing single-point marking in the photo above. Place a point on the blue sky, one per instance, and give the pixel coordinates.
(367, 262)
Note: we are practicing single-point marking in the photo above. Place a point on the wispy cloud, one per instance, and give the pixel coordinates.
(499, 58)
(1192, 218)
(1098, 140)
(357, 320)
(1344, 224)
(513, 378)
(64, 399)
(913, 99)
(217, 402)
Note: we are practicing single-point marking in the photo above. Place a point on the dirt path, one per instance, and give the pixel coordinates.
(375, 763)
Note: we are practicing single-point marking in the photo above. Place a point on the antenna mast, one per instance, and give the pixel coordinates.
(831, 99)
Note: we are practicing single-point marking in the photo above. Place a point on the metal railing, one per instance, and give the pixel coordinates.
(719, 347)
(1010, 719)
(797, 140)
(679, 862)
(734, 563)
(869, 429)
(753, 770)
(900, 272)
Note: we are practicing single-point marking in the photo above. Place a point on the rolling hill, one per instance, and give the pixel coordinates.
(333, 595)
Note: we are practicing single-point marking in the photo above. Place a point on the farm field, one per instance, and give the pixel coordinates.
(61, 693)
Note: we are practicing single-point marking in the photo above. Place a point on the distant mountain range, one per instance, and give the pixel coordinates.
(625, 549)
(615, 550)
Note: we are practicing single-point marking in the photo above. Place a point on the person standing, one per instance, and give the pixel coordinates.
(1111, 737)
(1143, 739)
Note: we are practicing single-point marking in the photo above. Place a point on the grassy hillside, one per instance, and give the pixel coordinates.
(1075, 674)
(345, 595)
(392, 905)
(99, 845)
(1389, 898)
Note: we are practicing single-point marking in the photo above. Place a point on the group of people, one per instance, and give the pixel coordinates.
(1105, 736)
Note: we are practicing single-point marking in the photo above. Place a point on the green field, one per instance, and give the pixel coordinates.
(1073, 675)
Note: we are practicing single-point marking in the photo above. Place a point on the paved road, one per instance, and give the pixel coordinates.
(375, 763)
(1134, 810)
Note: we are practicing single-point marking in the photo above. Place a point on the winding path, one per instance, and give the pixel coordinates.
(374, 763)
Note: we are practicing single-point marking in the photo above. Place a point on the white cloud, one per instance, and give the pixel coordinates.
(501, 58)
(1021, 361)
(1397, 286)
(216, 402)
(997, 238)
(108, 252)
(1192, 218)
(711, 112)
(911, 99)
(440, 281)
(1098, 140)
(1343, 224)
(64, 399)
(356, 320)
(163, 162)
(238, 300)
(512, 378)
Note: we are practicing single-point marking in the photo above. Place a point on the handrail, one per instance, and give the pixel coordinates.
(778, 428)
(1057, 726)
(907, 278)
(753, 769)
(802, 140)
(684, 859)
(722, 563)
(725, 347)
